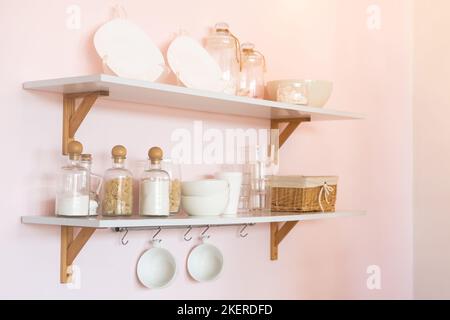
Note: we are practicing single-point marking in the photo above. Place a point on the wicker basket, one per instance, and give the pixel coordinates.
(300, 194)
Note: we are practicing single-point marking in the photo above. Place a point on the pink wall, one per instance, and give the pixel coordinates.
(307, 39)
(431, 149)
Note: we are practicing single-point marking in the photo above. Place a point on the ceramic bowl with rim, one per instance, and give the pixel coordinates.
(317, 92)
(156, 268)
(205, 263)
(205, 206)
(202, 188)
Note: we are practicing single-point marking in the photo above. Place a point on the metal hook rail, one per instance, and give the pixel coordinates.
(182, 227)
(185, 237)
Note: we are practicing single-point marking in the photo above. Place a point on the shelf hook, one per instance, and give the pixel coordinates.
(186, 234)
(203, 234)
(241, 233)
(157, 233)
(124, 243)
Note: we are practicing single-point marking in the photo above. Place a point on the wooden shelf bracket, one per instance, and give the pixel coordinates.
(292, 124)
(73, 116)
(71, 247)
(277, 231)
(277, 235)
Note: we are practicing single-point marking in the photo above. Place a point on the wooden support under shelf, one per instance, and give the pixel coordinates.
(292, 124)
(71, 247)
(277, 233)
(73, 116)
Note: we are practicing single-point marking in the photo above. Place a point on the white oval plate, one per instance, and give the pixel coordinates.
(156, 268)
(205, 263)
(128, 51)
(193, 65)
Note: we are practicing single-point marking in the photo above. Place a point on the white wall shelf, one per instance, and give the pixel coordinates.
(182, 220)
(158, 94)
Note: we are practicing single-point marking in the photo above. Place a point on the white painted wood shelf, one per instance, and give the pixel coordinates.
(182, 220)
(158, 94)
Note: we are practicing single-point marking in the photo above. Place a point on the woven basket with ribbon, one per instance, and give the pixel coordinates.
(301, 194)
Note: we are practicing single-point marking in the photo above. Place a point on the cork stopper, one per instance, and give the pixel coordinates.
(119, 153)
(75, 149)
(86, 157)
(155, 154)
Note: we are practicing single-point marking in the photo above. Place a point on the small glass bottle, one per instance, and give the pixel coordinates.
(95, 185)
(154, 199)
(117, 197)
(72, 198)
(224, 47)
(251, 83)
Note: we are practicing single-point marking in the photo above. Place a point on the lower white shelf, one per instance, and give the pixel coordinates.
(182, 220)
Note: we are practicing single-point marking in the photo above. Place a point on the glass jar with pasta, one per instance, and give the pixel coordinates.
(117, 194)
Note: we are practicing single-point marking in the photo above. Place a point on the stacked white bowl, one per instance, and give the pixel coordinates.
(204, 197)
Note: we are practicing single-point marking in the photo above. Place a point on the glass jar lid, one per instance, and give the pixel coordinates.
(222, 27)
(250, 54)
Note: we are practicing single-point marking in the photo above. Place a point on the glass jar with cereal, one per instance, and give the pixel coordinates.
(117, 194)
(172, 167)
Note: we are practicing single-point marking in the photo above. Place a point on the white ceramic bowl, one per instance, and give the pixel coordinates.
(156, 268)
(318, 92)
(205, 263)
(204, 187)
(205, 206)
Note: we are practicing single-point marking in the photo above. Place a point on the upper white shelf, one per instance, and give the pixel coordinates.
(181, 220)
(158, 94)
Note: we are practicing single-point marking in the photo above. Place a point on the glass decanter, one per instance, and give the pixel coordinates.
(224, 47)
(73, 189)
(95, 185)
(251, 83)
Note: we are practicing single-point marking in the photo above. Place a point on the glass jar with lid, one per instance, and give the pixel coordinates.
(73, 189)
(251, 83)
(117, 195)
(95, 185)
(154, 187)
(173, 168)
(224, 47)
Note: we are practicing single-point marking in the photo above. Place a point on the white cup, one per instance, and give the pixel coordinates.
(234, 180)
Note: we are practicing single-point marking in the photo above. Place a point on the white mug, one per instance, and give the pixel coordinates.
(234, 180)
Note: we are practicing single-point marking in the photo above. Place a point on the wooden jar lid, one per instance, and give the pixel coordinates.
(119, 153)
(75, 149)
(155, 154)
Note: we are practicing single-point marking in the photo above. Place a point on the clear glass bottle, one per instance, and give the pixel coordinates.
(117, 195)
(95, 185)
(154, 187)
(224, 47)
(258, 168)
(173, 168)
(253, 64)
(73, 190)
